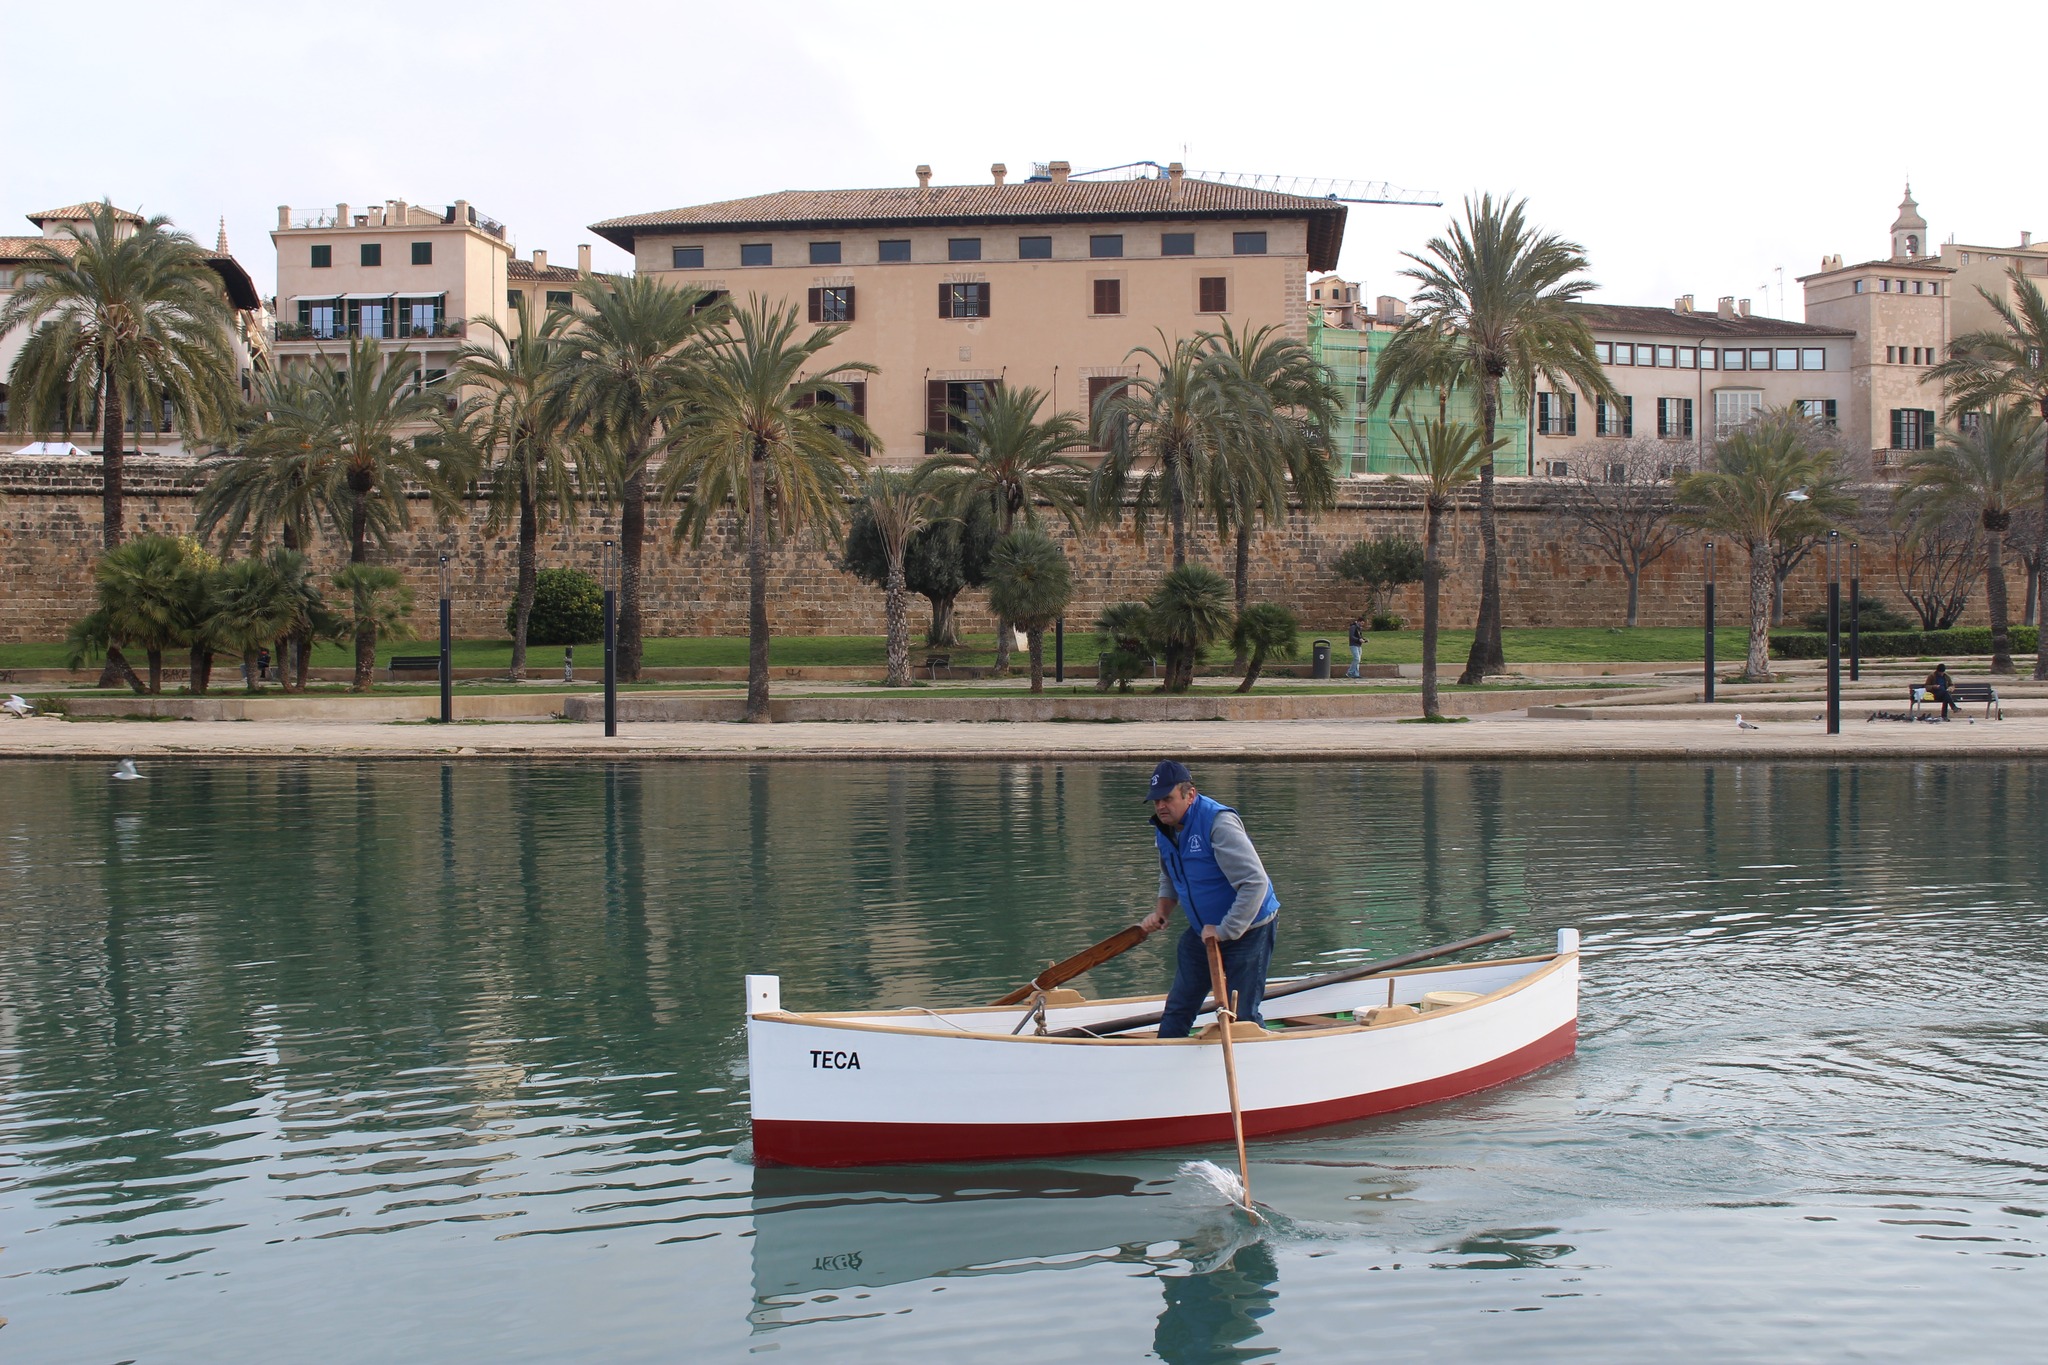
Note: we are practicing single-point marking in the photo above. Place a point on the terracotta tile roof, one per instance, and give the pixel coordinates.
(78, 213)
(1614, 317)
(1029, 200)
(21, 248)
(517, 269)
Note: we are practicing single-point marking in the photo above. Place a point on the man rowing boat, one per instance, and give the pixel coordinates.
(1208, 867)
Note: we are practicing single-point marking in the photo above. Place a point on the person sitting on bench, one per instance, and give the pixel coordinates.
(1937, 686)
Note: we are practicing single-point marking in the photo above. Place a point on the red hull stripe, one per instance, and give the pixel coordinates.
(789, 1142)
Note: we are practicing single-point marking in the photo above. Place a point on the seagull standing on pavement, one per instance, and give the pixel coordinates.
(1742, 724)
(126, 772)
(18, 707)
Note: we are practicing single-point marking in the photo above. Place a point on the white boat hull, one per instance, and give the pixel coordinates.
(894, 1086)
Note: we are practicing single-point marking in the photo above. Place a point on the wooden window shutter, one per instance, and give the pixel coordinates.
(817, 303)
(1106, 296)
(1571, 415)
(1097, 387)
(1898, 428)
(849, 317)
(945, 300)
(860, 397)
(985, 291)
(935, 424)
(1628, 416)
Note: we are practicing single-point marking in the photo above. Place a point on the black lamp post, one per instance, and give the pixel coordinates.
(1834, 632)
(447, 652)
(611, 642)
(1855, 612)
(1710, 622)
(1059, 649)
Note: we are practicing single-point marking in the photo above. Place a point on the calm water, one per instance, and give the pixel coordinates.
(336, 1062)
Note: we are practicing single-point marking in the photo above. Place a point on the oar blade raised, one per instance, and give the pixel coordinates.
(1064, 971)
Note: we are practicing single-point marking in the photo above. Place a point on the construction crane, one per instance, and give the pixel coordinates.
(1312, 187)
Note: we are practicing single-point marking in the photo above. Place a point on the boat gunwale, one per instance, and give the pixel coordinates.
(855, 1022)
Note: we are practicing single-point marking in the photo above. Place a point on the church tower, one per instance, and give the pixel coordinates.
(1909, 233)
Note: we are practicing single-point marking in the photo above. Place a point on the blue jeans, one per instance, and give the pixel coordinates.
(1244, 971)
(1357, 653)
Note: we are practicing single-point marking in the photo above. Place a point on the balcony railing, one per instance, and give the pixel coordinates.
(391, 331)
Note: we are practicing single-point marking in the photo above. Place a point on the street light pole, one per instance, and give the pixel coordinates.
(1855, 612)
(447, 652)
(1710, 622)
(1834, 632)
(611, 644)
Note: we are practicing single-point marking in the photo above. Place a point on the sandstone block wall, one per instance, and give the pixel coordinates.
(50, 538)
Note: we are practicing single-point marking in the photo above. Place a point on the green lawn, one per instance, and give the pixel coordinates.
(1592, 644)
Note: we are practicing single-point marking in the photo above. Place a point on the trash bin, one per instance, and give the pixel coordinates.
(1320, 661)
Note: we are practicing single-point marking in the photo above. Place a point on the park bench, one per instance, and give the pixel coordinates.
(934, 662)
(416, 663)
(1962, 694)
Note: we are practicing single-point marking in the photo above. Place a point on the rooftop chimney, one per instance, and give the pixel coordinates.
(1726, 306)
(924, 177)
(1059, 171)
(583, 259)
(999, 172)
(399, 210)
(1175, 172)
(2026, 240)
(1742, 307)
(1684, 304)
(540, 260)
(341, 215)
(284, 215)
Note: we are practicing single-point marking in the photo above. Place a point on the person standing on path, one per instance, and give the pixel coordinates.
(1357, 646)
(1208, 867)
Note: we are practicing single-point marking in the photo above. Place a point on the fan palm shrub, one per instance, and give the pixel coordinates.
(2008, 362)
(250, 605)
(141, 599)
(379, 608)
(763, 436)
(1125, 632)
(1505, 291)
(1264, 630)
(1030, 584)
(1189, 610)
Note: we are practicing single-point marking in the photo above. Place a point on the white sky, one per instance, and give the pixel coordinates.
(1689, 148)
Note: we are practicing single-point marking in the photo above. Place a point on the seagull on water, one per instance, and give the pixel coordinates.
(126, 772)
(18, 707)
(1742, 724)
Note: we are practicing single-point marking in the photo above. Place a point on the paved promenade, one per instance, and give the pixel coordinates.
(1508, 736)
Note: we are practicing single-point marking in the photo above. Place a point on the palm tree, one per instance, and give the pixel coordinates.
(122, 318)
(899, 507)
(141, 595)
(1005, 454)
(380, 608)
(1187, 611)
(1448, 456)
(276, 476)
(1505, 291)
(627, 370)
(1989, 469)
(1771, 480)
(1172, 422)
(1987, 366)
(1264, 630)
(250, 605)
(778, 444)
(1282, 444)
(511, 420)
(1029, 583)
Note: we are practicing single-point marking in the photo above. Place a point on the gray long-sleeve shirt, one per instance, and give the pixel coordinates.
(1240, 865)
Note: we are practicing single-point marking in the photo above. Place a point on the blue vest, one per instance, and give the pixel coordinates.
(1204, 892)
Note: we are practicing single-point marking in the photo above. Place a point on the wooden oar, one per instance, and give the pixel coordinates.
(1226, 1021)
(1062, 972)
(1310, 983)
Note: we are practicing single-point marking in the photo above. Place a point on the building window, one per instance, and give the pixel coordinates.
(1709, 357)
(1617, 472)
(1624, 354)
(321, 318)
(1646, 355)
(1214, 295)
(1248, 243)
(323, 257)
(423, 317)
(757, 253)
(1787, 358)
(1609, 420)
(1603, 351)
(949, 406)
(687, 258)
(1884, 286)
(824, 253)
(1732, 359)
(373, 253)
(1891, 355)
(963, 249)
(1971, 423)
(1935, 288)
(1917, 286)
(855, 402)
(1759, 358)
(422, 253)
(1687, 358)
(1821, 410)
(1667, 357)
(1099, 387)
(1859, 286)
(892, 249)
(709, 299)
(561, 298)
(1813, 358)
(1912, 429)
(513, 298)
(832, 304)
(1735, 409)
(370, 317)
(1109, 297)
(1557, 414)
(1674, 418)
(963, 300)
(1176, 243)
(1558, 469)
(1105, 245)
(1034, 248)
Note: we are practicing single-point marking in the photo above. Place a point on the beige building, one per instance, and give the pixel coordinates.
(1689, 378)
(1899, 310)
(1050, 281)
(153, 432)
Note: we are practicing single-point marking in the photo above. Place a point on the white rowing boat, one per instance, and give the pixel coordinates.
(982, 1083)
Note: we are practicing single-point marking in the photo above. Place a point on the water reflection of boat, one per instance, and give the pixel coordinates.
(865, 1088)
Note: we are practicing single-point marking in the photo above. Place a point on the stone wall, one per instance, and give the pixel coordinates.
(50, 536)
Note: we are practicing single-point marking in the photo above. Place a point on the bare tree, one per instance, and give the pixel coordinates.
(1935, 560)
(2024, 539)
(1621, 504)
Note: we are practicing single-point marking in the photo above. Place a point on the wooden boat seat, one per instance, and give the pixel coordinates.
(1295, 1021)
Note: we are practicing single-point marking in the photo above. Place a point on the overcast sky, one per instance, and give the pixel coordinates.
(1689, 148)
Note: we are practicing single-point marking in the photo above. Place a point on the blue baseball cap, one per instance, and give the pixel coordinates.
(1166, 777)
